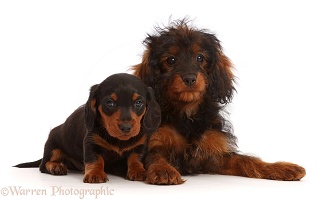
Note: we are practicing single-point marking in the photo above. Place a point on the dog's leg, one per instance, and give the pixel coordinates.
(54, 160)
(242, 165)
(52, 163)
(163, 144)
(94, 162)
(94, 171)
(136, 171)
(204, 155)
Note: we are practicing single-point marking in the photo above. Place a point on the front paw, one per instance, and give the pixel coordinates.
(138, 174)
(95, 177)
(159, 174)
(287, 171)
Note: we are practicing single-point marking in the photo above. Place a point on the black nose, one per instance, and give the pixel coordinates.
(189, 80)
(125, 127)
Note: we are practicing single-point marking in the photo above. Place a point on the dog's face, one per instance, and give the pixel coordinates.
(122, 110)
(184, 64)
(122, 102)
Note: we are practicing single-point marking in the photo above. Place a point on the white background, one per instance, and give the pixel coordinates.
(51, 52)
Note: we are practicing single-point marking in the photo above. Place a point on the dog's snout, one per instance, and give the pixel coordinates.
(125, 127)
(189, 80)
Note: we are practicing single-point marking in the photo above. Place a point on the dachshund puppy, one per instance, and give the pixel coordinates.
(193, 80)
(108, 133)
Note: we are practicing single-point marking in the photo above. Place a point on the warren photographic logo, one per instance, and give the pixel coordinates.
(81, 193)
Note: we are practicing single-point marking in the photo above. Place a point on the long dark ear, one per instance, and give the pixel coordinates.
(148, 70)
(90, 109)
(143, 70)
(152, 118)
(221, 86)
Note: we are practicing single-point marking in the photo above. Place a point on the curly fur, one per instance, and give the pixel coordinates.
(193, 81)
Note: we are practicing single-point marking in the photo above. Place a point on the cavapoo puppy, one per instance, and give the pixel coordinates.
(192, 79)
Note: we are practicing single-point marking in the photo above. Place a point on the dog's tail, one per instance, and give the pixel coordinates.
(29, 164)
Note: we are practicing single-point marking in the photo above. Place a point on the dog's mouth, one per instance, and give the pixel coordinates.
(122, 131)
(187, 96)
(124, 137)
(116, 132)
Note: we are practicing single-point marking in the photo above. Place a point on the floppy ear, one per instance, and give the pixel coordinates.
(90, 109)
(152, 118)
(221, 86)
(148, 69)
(143, 70)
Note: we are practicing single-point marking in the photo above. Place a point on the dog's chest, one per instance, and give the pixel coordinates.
(120, 150)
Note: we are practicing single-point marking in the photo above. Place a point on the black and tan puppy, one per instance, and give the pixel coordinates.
(193, 81)
(108, 133)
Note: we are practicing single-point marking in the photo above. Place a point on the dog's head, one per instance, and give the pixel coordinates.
(123, 105)
(185, 64)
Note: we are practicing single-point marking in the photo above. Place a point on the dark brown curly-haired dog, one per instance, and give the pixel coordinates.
(193, 81)
(107, 134)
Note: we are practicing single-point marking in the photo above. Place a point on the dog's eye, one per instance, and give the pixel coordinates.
(110, 103)
(138, 104)
(171, 60)
(199, 58)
